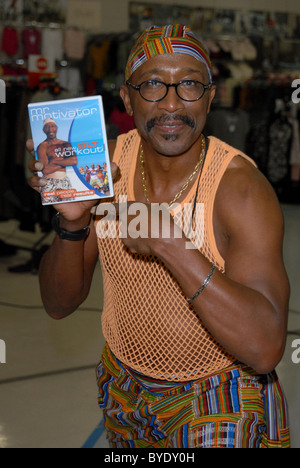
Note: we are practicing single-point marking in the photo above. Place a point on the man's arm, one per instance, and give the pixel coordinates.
(245, 309)
(67, 268)
(49, 168)
(66, 161)
(66, 271)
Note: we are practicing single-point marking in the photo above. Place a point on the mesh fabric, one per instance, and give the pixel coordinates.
(147, 320)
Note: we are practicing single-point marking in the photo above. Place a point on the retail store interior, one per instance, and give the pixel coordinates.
(48, 394)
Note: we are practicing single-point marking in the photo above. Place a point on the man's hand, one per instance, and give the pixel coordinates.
(144, 228)
(75, 215)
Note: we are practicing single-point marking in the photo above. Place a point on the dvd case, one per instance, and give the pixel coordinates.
(70, 140)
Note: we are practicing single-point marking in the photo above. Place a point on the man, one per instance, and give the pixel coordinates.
(87, 174)
(55, 155)
(193, 335)
(95, 182)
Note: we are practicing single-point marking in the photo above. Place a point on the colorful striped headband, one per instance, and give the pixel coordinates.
(166, 40)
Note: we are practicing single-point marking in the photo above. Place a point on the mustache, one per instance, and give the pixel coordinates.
(170, 118)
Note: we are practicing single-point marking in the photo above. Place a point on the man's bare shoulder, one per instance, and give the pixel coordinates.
(46, 144)
(42, 145)
(245, 181)
(245, 193)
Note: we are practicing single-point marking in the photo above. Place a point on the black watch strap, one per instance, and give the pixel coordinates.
(74, 236)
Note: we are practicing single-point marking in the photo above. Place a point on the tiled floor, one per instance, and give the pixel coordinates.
(48, 395)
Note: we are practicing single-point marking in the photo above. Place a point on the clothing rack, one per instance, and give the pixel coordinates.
(18, 201)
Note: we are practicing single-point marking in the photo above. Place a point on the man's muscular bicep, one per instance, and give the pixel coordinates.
(248, 211)
(42, 154)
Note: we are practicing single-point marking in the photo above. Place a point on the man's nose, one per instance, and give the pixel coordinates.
(172, 101)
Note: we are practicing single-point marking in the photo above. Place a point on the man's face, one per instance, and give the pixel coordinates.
(170, 126)
(51, 130)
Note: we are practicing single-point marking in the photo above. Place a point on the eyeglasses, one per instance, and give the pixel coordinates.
(155, 91)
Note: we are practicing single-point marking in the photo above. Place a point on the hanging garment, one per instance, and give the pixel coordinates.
(229, 125)
(13, 185)
(32, 42)
(10, 41)
(70, 79)
(258, 140)
(295, 151)
(53, 44)
(279, 152)
(122, 120)
(74, 44)
(99, 60)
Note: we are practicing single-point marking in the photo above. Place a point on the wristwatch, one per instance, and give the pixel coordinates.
(74, 236)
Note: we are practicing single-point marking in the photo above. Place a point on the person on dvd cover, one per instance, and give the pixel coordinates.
(56, 155)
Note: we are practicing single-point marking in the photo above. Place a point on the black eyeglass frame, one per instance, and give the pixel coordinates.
(168, 86)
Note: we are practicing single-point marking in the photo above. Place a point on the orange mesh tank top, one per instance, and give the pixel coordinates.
(147, 320)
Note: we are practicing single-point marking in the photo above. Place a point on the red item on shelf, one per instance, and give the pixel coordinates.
(10, 41)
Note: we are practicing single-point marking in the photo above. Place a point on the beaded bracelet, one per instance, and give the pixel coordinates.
(204, 285)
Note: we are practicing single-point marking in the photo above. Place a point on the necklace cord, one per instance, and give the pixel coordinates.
(186, 184)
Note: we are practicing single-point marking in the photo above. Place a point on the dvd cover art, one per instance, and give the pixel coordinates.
(70, 140)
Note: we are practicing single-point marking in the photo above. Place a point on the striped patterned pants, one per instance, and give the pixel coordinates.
(233, 409)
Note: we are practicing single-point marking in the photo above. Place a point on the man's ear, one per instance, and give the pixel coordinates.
(212, 95)
(124, 93)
